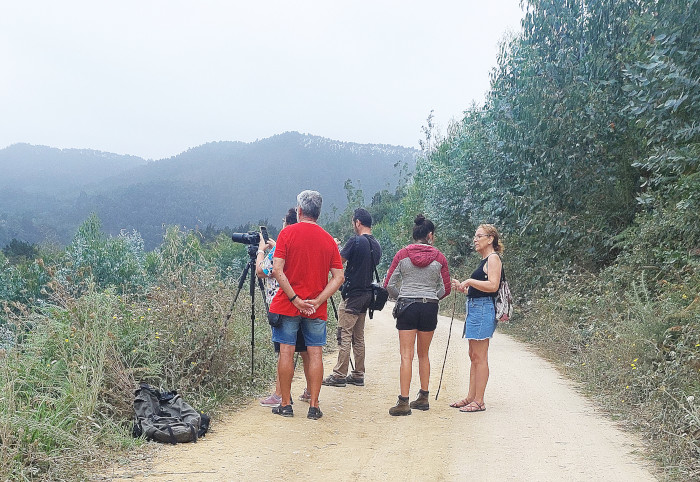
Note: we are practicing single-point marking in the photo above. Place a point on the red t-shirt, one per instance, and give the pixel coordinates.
(309, 253)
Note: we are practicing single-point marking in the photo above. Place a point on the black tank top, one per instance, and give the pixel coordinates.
(479, 275)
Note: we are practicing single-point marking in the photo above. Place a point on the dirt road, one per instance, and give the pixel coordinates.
(536, 427)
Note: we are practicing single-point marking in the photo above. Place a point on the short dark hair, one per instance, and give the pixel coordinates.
(422, 227)
(291, 217)
(362, 215)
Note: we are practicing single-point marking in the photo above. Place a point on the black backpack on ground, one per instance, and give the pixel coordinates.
(165, 417)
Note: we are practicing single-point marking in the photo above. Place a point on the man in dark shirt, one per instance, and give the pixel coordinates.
(362, 253)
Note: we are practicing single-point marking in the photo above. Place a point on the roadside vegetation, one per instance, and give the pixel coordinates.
(585, 155)
(83, 326)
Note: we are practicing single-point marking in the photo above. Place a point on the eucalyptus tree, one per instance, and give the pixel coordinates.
(664, 97)
(566, 144)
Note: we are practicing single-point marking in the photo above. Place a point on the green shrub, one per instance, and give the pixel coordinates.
(93, 257)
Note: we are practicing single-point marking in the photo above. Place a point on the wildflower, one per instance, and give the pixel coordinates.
(66, 340)
(583, 364)
(627, 387)
(114, 317)
(685, 297)
(149, 309)
(635, 359)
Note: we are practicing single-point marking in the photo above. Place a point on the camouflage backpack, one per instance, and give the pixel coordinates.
(503, 301)
(165, 417)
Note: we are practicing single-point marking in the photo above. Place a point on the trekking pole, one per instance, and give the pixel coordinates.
(454, 305)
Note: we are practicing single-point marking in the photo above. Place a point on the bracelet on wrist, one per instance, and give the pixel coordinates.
(293, 298)
(260, 251)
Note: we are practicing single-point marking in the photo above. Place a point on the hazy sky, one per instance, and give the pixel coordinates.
(154, 78)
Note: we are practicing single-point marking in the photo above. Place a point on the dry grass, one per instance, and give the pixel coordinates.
(637, 352)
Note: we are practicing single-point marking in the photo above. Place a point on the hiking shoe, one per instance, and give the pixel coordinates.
(271, 401)
(305, 397)
(422, 402)
(331, 381)
(359, 381)
(314, 413)
(401, 407)
(285, 411)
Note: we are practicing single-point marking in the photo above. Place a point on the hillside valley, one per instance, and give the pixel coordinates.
(45, 193)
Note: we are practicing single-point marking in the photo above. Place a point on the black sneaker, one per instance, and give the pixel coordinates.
(360, 382)
(314, 413)
(285, 411)
(331, 381)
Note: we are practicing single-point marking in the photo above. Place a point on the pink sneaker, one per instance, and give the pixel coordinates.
(306, 396)
(271, 401)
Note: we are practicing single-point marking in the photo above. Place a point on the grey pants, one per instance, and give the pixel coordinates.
(352, 335)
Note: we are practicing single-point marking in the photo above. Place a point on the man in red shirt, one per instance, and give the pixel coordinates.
(304, 255)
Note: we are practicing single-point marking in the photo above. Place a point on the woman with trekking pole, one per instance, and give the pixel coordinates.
(481, 289)
(418, 278)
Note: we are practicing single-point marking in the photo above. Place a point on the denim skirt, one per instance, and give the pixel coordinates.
(481, 319)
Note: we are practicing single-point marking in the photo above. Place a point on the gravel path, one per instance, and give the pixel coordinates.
(536, 427)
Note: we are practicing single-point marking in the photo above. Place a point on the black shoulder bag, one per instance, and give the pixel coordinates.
(379, 293)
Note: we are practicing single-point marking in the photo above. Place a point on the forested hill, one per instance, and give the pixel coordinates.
(47, 170)
(49, 192)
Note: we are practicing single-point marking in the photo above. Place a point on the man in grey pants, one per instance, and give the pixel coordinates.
(362, 253)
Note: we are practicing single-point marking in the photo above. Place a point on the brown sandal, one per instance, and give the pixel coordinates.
(460, 403)
(474, 407)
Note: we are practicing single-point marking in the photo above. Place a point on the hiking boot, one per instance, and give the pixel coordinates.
(422, 402)
(314, 413)
(401, 407)
(305, 397)
(271, 401)
(332, 381)
(285, 411)
(359, 381)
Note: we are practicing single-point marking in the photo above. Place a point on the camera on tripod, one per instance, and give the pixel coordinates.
(251, 237)
(246, 238)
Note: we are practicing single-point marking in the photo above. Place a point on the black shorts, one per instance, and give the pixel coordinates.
(300, 346)
(418, 316)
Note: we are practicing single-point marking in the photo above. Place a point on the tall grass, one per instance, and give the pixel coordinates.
(103, 318)
(75, 354)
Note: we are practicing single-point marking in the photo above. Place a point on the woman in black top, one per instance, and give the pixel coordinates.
(480, 324)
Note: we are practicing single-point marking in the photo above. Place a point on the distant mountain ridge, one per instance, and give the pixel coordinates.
(48, 170)
(220, 183)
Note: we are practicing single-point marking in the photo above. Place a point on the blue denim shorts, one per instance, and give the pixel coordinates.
(314, 331)
(481, 319)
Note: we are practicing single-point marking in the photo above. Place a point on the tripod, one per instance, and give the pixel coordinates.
(252, 254)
